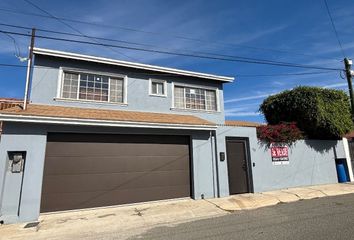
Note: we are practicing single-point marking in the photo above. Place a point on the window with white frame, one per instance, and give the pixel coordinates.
(93, 87)
(195, 98)
(158, 87)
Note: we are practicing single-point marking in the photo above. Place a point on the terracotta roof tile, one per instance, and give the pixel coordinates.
(100, 114)
(9, 102)
(241, 123)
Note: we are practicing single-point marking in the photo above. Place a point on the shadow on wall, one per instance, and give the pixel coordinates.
(322, 146)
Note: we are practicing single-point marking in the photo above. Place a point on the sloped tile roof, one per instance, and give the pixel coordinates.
(101, 114)
(235, 123)
(9, 102)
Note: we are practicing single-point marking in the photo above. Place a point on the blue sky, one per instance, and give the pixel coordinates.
(300, 30)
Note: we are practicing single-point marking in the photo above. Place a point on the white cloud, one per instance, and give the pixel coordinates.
(242, 114)
(336, 85)
(240, 99)
(254, 35)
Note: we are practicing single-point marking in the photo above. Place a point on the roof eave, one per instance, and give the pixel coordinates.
(96, 122)
(69, 55)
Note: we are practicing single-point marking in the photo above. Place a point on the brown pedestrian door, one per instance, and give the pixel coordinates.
(238, 166)
(94, 170)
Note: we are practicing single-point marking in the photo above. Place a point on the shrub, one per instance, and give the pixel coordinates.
(283, 133)
(319, 113)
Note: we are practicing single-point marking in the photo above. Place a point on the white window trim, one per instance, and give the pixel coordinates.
(60, 82)
(195, 86)
(217, 99)
(125, 91)
(158, 81)
(84, 71)
(173, 95)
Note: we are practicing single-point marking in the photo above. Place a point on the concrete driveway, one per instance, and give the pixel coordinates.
(133, 220)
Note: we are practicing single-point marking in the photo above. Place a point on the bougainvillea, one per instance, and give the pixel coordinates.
(283, 133)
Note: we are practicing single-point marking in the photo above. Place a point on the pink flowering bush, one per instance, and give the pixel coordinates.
(283, 133)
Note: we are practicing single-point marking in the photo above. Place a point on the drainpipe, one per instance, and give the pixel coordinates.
(214, 139)
(213, 160)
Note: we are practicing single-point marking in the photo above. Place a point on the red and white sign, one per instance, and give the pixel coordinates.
(280, 155)
(279, 152)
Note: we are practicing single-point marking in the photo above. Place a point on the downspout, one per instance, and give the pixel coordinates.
(213, 160)
(214, 138)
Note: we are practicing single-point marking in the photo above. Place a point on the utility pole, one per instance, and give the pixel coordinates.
(29, 66)
(348, 72)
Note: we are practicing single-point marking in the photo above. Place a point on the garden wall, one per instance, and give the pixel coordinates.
(311, 162)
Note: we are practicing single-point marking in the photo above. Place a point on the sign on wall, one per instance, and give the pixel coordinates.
(280, 155)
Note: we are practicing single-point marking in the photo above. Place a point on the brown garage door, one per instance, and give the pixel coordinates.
(86, 170)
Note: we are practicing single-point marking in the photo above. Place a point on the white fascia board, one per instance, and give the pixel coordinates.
(76, 56)
(103, 123)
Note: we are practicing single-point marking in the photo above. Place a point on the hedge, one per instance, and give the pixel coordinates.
(319, 113)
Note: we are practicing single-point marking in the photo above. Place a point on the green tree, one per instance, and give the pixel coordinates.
(320, 113)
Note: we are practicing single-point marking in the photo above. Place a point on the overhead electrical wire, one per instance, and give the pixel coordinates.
(132, 43)
(167, 74)
(221, 58)
(73, 28)
(75, 35)
(17, 51)
(167, 34)
(282, 74)
(334, 28)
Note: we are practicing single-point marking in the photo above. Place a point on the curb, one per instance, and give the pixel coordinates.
(251, 201)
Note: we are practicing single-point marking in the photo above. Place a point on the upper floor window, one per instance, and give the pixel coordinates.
(158, 87)
(195, 98)
(94, 87)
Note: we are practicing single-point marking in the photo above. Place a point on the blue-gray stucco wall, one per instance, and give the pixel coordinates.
(32, 139)
(311, 162)
(14, 206)
(45, 83)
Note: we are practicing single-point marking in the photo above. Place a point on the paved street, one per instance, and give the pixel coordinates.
(317, 212)
(324, 218)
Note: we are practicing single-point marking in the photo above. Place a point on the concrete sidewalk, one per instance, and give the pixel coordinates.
(132, 220)
(257, 200)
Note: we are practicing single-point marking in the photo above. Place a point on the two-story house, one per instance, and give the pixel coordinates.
(101, 132)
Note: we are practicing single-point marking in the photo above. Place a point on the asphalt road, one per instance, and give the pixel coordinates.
(324, 218)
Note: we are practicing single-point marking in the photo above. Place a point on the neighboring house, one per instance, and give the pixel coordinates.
(8, 103)
(100, 132)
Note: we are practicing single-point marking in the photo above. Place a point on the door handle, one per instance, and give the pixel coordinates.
(244, 166)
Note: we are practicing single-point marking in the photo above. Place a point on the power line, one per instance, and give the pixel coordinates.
(17, 51)
(12, 65)
(75, 35)
(282, 74)
(166, 34)
(334, 28)
(127, 42)
(71, 27)
(167, 74)
(243, 59)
